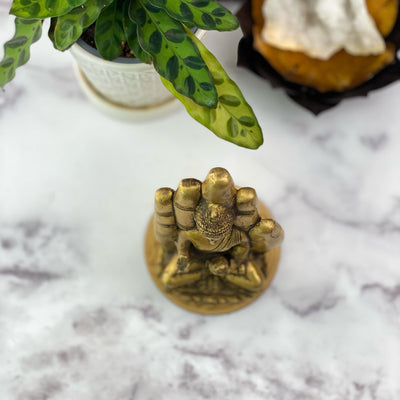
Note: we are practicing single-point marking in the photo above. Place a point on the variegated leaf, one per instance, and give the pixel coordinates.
(175, 56)
(69, 27)
(131, 37)
(38, 9)
(50, 33)
(232, 119)
(17, 50)
(205, 14)
(109, 32)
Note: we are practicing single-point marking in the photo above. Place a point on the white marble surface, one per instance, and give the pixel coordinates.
(80, 317)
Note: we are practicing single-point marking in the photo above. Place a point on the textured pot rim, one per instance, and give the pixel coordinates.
(79, 51)
(95, 52)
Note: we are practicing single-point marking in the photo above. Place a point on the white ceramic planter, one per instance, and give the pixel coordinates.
(123, 88)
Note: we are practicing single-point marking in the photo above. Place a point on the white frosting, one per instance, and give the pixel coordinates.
(320, 28)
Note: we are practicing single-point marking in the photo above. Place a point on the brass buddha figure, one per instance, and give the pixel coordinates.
(208, 248)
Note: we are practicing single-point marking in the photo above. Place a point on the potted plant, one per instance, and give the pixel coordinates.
(156, 32)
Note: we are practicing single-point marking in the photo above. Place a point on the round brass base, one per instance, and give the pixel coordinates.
(195, 304)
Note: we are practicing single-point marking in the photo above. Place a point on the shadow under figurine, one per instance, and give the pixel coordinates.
(208, 247)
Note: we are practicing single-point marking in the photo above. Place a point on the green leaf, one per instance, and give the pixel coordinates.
(229, 100)
(169, 45)
(109, 32)
(69, 27)
(207, 14)
(38, 9)
(232, 119)
(131, 37)
(16, 50)
(50, 33)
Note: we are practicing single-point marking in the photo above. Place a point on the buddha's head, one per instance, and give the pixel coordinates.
(215, 213)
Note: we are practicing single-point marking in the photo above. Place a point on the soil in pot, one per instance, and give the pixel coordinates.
(88, 37)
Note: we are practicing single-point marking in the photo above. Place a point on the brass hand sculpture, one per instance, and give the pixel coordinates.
(208, 248)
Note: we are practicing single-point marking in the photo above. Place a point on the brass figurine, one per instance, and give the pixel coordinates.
(208, 247)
